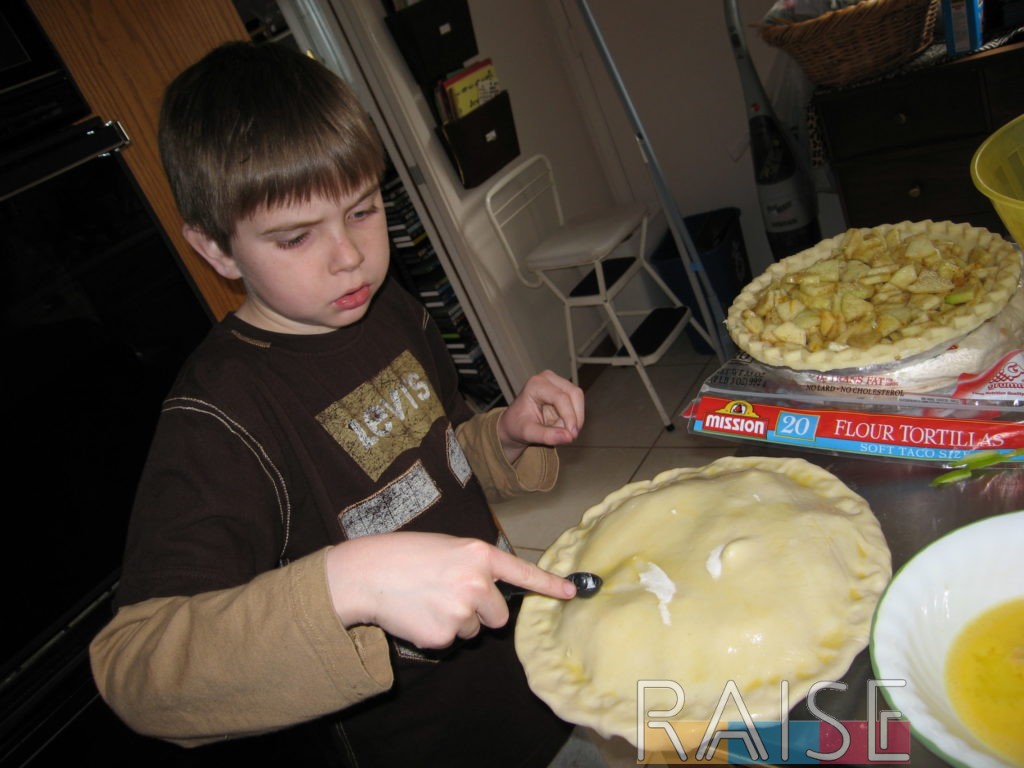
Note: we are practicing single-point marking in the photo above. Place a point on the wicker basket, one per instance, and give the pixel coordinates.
(857, 42)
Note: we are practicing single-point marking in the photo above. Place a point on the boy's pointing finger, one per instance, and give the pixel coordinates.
(522, 573)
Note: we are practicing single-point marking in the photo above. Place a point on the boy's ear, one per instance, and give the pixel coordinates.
(206, 247)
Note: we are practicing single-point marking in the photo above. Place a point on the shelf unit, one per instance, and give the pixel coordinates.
(436, 39)
(416, 266)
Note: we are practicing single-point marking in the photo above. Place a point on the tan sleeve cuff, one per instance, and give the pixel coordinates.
(356, 659)
(535, 470)
(241, 661)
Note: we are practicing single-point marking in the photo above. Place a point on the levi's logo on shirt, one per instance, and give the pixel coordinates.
(384, 416)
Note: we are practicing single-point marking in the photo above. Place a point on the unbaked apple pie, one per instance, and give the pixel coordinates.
(875, 296)
(751, 570)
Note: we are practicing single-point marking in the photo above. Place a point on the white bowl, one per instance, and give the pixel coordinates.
(924, 608)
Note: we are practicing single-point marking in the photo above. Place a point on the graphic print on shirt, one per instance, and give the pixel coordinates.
(387, 415)
(457, 461)
(400, 501)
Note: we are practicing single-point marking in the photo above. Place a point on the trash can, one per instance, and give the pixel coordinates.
(718, 239)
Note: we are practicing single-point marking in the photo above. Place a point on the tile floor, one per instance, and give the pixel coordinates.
(623, 440)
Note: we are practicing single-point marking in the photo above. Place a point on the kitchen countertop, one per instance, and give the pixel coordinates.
(912, 515)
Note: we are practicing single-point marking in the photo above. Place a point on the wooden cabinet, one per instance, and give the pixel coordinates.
(901, 148)
(122, 54)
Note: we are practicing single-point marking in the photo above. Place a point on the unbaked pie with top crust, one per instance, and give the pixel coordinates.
(875, 296)
(751, 570)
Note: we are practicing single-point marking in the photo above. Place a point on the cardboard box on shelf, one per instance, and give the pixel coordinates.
(962, 25)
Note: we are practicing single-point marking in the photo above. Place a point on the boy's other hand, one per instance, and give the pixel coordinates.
(549, 411)
(429, 588)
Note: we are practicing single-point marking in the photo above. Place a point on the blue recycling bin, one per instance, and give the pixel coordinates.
(718, 240)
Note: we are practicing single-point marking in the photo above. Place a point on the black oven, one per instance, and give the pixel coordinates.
(36, 93)
(97, 316)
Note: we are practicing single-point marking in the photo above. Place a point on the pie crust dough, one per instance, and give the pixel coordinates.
(999, 285)
(755, 570)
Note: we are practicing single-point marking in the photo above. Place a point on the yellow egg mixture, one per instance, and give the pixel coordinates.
(985, 678)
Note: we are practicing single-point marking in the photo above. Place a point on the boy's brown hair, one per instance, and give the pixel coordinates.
(255, 125)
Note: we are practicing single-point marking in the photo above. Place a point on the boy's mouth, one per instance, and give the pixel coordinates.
(354, 299)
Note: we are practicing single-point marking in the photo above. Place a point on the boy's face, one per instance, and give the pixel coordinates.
(308, 267)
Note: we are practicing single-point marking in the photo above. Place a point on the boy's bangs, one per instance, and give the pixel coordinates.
(295, 177)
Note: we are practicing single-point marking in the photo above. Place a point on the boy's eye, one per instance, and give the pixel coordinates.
(293, 242)
(364, 213)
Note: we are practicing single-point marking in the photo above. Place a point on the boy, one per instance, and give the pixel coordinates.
(312, 520)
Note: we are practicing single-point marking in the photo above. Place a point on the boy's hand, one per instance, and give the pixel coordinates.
(429, 588)
(549, 411)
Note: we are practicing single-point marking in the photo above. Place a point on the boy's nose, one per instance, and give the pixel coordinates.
(345, 255)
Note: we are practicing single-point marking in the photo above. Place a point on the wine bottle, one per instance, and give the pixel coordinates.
(784, 188)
